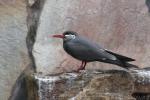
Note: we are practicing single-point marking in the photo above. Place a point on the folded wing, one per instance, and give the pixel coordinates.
(121, 57)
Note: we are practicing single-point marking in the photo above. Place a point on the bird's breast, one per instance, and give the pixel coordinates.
(70, 51)
(77, 52)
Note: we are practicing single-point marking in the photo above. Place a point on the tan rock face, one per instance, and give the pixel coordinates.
(94, 85)
(119, 25)
(13, 52)
(111, 82)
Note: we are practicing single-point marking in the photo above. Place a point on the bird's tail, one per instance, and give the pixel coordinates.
(130, 66)
(121, 64)
(125, 65)
(121, 57)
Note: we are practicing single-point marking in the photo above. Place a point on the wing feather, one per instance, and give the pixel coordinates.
(83, 49)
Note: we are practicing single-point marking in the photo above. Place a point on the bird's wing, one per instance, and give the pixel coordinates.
(121, 57)
(90, 50)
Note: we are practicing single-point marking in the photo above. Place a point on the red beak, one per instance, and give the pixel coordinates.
(58, 36)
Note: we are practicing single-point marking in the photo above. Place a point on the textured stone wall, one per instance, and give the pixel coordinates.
(119, 25)
(13, 52)
(95, 85)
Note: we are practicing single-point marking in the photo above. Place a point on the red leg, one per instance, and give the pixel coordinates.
(82, 64)
(82, 67)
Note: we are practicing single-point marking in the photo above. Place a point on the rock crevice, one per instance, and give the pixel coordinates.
(23, 85)
(34, 9)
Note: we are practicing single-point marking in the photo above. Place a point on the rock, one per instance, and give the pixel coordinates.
(108, 87)
(109, 82)
(13, 52)
(25, 87)
(142, 81)
(34, 12)
(117, 25)
(121, 26)
(90, 85)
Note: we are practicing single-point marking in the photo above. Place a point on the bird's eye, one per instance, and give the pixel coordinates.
(73, 36)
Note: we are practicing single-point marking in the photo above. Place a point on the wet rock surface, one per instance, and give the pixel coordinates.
(93, 85)
(142, 81)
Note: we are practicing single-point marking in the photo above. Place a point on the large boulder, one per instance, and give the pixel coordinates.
(94, 85)
(119, 25)
(13, 52)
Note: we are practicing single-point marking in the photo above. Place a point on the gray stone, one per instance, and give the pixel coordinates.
(13, 52)
(87, 85)
(142, 81)
(119, 25)
(93, 85)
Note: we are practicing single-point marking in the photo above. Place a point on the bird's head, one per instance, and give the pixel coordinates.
(68, 35)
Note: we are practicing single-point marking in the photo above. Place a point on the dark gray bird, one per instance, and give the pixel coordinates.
(86, 51)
